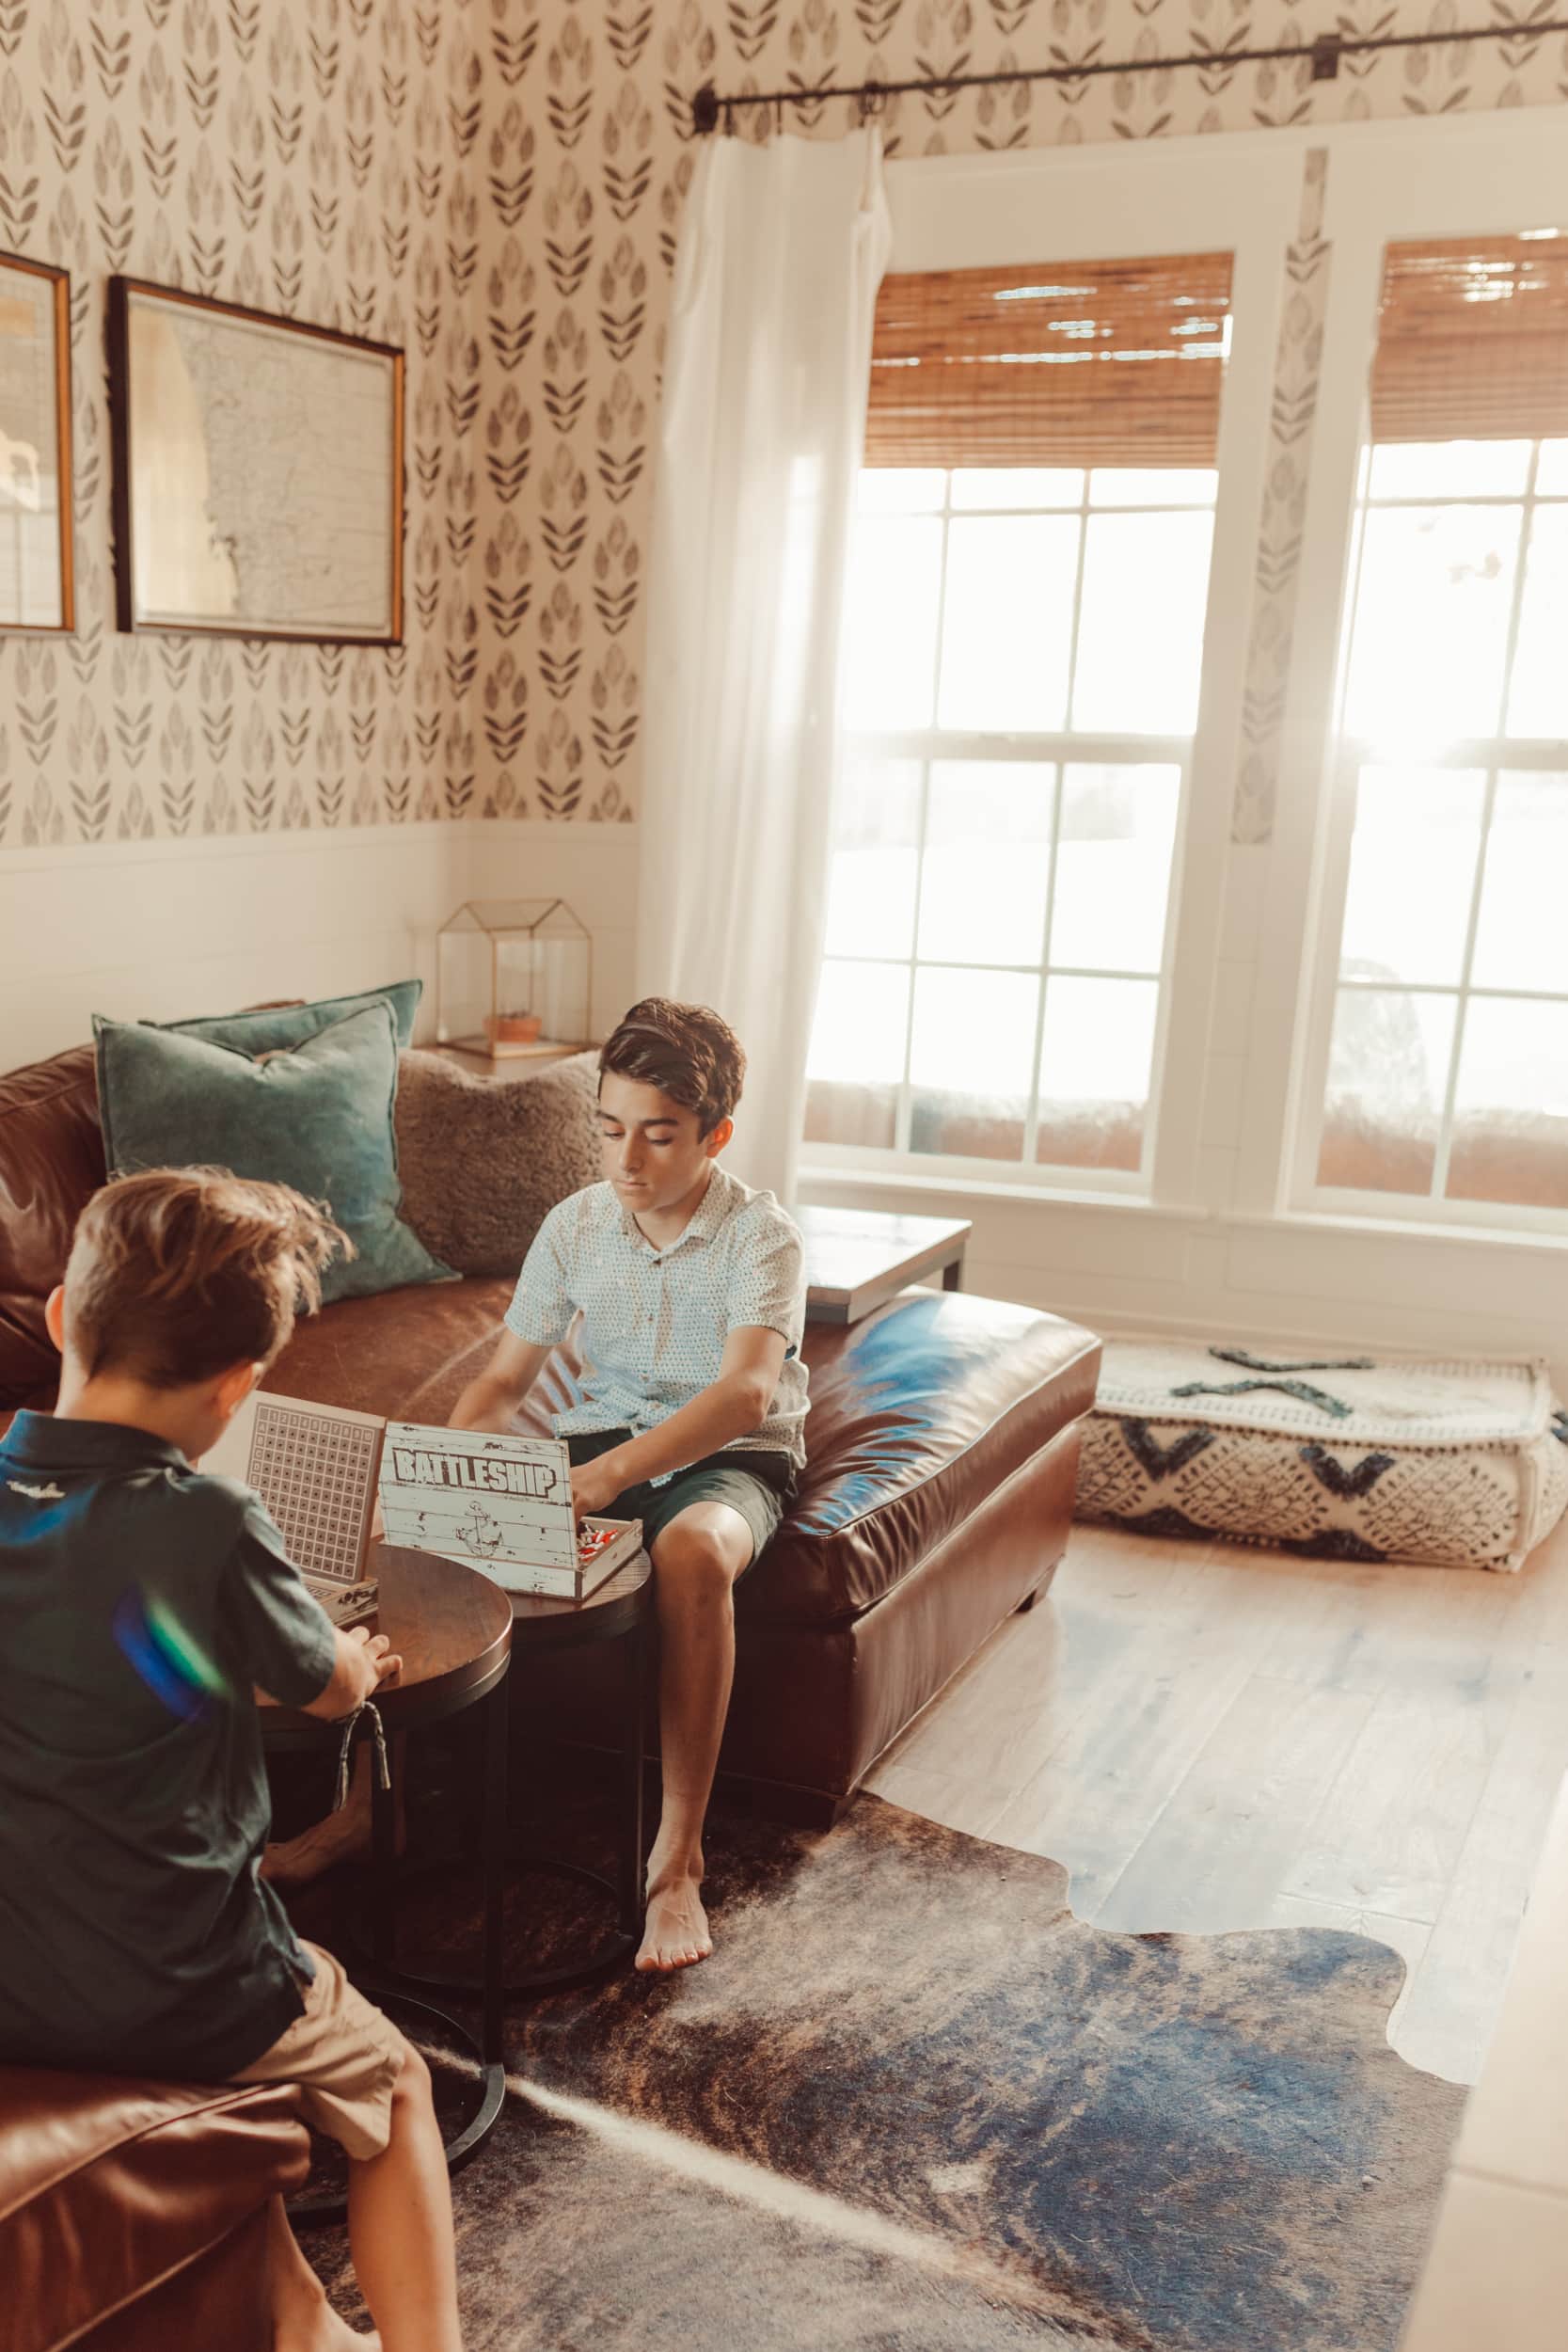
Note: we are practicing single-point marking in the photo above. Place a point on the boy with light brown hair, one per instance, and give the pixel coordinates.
(143, 1609)
(691, 1288)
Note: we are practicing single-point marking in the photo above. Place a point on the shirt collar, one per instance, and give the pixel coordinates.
(704, 1221)
(43, 1442)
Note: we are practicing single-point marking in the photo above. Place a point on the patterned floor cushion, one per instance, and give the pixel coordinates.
(1338, 1457)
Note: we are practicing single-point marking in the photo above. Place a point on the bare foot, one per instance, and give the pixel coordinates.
(340, 1837)
(676, 1933)
(302, 2318)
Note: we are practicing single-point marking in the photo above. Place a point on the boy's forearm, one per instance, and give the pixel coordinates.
(493, 1401)
(732, 1406)
(488, 1404)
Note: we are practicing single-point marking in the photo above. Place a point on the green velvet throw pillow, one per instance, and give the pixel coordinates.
(266, 1027)
(278, 1028)
(317, 1115)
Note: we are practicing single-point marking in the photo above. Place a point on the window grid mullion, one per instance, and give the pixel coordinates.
(1526, 532)
(1445, 1131)
(1032, 1111)
(1064, 971)
(905, 1122)
(1447, 988)
(1442, 1157)
(912, 963)
(1077, 605)
(1032, 1115)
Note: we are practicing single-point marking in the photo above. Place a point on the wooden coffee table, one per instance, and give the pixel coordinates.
(858, 1258)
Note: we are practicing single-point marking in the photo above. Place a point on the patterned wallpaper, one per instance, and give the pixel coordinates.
(497, 184)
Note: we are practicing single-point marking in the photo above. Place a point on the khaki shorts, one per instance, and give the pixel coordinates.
(345, 2056)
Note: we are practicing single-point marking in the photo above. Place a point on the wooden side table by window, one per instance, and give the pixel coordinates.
(858, 1258)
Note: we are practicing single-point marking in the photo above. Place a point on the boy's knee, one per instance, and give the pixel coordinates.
(692, 1561)
(413, 2084)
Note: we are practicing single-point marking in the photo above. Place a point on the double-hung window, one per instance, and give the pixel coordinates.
(1027, 601)
(1435, 1071)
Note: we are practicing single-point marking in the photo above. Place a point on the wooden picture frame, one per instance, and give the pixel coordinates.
(258, 472)
(37, 587)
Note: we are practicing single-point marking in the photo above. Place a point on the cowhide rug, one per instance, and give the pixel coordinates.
(913, 2104)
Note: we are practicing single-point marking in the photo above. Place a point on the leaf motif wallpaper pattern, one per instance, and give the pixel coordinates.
(497, 185)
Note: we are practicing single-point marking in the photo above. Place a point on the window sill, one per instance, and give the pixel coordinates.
(977, 1188)
(1331, 1221)
(1326, 1224)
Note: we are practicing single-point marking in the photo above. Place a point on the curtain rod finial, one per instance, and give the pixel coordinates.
(705, 110)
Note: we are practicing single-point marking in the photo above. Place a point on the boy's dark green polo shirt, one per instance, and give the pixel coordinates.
(139, 1604)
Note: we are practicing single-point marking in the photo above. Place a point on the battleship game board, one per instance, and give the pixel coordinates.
(315, 1466)
(501, 1504)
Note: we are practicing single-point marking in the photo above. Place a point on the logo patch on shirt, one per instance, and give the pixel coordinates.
(37, 1494)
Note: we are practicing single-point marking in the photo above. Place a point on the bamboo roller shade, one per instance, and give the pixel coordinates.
(1120, 363)
(1473, 341)
(1081, 363)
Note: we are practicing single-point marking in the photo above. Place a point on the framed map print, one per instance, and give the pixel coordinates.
(258, 472)
(36, 587)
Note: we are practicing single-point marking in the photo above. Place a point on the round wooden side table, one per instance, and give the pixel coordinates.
(620, 1610)
(453, 1630)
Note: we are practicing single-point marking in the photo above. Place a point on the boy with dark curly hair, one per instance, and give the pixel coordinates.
(691, 1288)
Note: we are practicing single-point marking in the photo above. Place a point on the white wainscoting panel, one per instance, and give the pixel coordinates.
(161, 930)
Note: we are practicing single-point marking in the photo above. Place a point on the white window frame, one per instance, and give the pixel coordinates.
(1242, 196)
(1386, 183)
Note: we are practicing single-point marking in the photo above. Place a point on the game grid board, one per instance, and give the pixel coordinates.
(317, 1477)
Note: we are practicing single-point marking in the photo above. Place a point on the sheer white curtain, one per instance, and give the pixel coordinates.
(766, 366)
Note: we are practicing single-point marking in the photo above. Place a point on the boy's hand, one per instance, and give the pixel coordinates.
(379, 1661)
(364, 1662)
(594, 1487)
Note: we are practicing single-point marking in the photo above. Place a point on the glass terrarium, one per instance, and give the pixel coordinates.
(513, 977)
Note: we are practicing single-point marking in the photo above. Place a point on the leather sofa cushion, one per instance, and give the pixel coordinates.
(407, 1355)
(51, 1164)
(108, 2184)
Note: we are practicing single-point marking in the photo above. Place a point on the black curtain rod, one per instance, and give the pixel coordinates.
(709, 108)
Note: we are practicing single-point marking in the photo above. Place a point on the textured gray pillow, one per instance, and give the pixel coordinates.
(483, 1160)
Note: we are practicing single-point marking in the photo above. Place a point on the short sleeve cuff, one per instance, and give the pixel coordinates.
(524, 1320)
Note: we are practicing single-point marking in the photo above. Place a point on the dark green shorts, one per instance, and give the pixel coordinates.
(759, 1485)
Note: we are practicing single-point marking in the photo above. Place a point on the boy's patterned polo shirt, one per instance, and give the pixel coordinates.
(655, 1321)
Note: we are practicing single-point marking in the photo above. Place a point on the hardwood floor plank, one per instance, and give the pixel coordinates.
(1218, 1853)
(1455, 2000)
(1388, 1833)
(996, 1724)
(1104, 1782)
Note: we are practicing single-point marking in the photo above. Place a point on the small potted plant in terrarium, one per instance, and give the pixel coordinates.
(513, 979)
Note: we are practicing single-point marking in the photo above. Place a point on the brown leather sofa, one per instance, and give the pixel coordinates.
(133, 2215)
(942, 1445)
